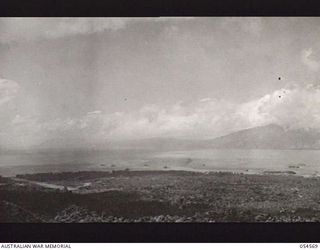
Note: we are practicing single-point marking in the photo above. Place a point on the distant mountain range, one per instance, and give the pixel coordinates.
(264, 137)
(269, 137)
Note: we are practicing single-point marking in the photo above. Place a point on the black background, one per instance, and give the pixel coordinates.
(159, 8)
(161, 232)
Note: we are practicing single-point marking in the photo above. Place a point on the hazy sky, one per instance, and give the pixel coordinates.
(92, 80)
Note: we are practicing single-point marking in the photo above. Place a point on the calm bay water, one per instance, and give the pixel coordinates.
(250, 161)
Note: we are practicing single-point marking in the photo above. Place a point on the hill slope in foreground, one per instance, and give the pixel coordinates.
(159, 196)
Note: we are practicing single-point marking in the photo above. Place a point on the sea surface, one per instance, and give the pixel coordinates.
(302, 162)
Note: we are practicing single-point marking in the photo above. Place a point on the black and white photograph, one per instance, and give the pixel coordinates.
(159, 119)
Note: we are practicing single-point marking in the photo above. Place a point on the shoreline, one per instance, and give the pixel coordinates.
(175, 170)
(48, 179)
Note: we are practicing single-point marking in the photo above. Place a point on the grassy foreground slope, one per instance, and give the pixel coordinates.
(159, 196)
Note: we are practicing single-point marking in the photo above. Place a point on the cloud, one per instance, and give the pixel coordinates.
(253, 25)
(199, 119)
(73, 26)
(292, 107)
(250, 25)
(96, 112)
(307, 59)
(8, 90)
(31, 29)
